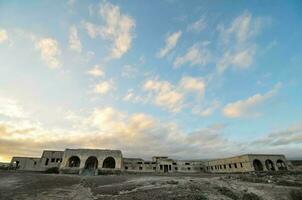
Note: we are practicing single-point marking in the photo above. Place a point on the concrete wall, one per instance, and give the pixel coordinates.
(243, 163)
(229, 165)
(264, 158)
(84, 154)
(25, 163)
(50, 159)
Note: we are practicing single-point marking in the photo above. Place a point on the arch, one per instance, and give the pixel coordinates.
(269, 165)
(91, 163)
(74, 161)
(281, 165)
(109, 162)
(257, 165)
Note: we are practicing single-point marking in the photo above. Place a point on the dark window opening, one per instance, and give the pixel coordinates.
(176, 168)
(74, 161)
(109, 162)
(47, 160)
(224, 166)
(174, 163)
(140, 168)
(154, 168)
(126, 167)
(235, 165)
(139, 162)
(241, 165)
(189, 168)
(170, 167)
(35, 163)
(161, 167)
(230, 166)
(187, 163)
(53, 160)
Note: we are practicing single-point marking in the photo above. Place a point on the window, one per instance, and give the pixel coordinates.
(174, 163)
(235, 165)
(189, 168)
(139, 162)
(161, 167)
(176, 168)
(126, 167)
(35, 163)
(241, 165)
(187, 163)
(53, 160)
(140, 168)
(147, 163)
(58, 160)
(230, 166)
(220, 166)
(211, 167)
(215, 167)
(170, 167)
(46, 162)
(154, 168)
(224, 166)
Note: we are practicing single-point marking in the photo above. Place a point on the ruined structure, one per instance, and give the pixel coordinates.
(100, 161)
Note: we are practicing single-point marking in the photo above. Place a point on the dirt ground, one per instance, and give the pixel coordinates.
(25, 186)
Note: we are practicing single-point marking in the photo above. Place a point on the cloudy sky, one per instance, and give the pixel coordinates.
(198, 79)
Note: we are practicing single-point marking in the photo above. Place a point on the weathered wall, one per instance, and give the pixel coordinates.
(243, 163)
(51, 159)
(84, 154)
(25, 163)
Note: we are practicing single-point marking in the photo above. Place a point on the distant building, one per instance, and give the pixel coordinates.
(102, 161)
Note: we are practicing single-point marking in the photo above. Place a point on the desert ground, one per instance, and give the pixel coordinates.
(28, 186)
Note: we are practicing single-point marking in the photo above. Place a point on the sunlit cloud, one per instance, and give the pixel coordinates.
(50, 50)
(170, 43)
(74, 40)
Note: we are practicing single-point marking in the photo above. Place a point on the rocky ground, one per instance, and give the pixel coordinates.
(16, 185)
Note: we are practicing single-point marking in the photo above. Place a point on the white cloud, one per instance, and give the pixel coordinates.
(92, 29)
(118, 28)
(3, 35)
(247, 107)
(49, 49)
(172, 97)
(239, 60)
(197, 26)
(103, 87)
(239, 48)
(206, 111)
(11, 108)
(196, 55)
(130, 71)
(132, 97)
(165, 94)
(74, 40)
(170, 43)
(197, 85)
(96, 71)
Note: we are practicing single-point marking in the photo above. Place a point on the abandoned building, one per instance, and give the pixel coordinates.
(102, 161)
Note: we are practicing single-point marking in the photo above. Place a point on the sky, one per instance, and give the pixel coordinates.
(186, 79)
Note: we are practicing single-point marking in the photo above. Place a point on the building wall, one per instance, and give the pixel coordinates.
(25, 163)
(243, 163)
(50, 159)
(84, 154)
(229, 165)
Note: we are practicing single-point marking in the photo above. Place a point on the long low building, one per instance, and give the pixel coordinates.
(102, 161)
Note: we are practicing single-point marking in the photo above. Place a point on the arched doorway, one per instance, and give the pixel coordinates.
(257, 165)
(74, 161)
(109, 162)
(281, 165)
(269, 165)
(91, 166)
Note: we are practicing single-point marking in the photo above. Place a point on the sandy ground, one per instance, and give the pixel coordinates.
(25, 186)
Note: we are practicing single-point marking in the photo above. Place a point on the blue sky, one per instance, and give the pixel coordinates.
(186, 79)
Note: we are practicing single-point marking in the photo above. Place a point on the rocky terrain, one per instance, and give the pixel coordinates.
(17, 185)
